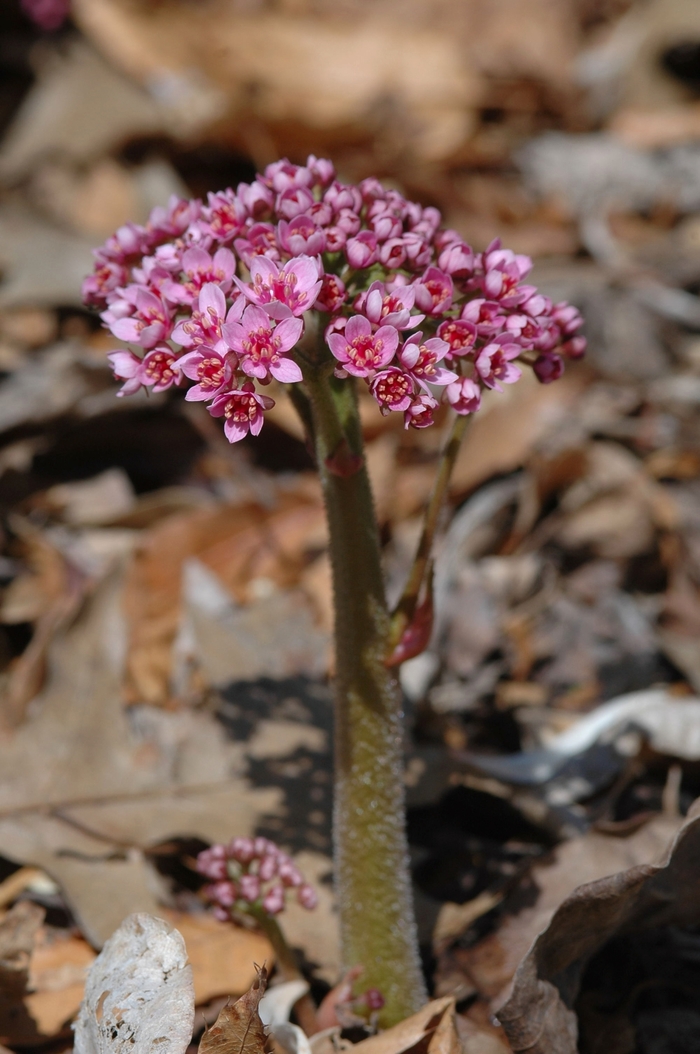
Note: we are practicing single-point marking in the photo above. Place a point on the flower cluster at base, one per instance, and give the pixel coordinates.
(218, 296)
(251, 872)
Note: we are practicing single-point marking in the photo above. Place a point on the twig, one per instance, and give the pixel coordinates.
(406, 607)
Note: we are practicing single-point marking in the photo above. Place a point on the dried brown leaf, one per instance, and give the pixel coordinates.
(491, 963)
(240, 544)
(538, 1016)
(238, 1028)
(419, 1028)
(221, 957)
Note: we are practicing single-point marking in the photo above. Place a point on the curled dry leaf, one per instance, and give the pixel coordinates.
(491, 963)
(538, 1017)
(139, 994)
(238, 1028)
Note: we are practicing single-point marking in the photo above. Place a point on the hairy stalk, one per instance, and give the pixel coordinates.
(289, 968)
(406, 607)
(371, 854)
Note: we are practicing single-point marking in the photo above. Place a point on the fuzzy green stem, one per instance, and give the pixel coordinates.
(406, 607)
(289, 968)
(371, 853)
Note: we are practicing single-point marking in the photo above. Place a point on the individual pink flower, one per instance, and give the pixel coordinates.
(340, 197)
(392, 253)
(361, 352)
(268, 865)
(289, 873)
(532, 332)
(418, 250)
(273, 901)
(421, 412)
(173, 220)
(322, 170)
(261, 240)
(307, 896)
(486, 315)
(256, 199)
(283, 291)
(321, 213)
(434, 292)
(150, 324)
(262, 345)
(129, 240)
(250, 887)
(205, 322)
(212, 863)
(241, 849)
(383, 307)
(332, 295)
(457, 260)
(242, 410)
(420, 360)
(371, 190)
(574, 348)
(361, 250)
(126, 367)
(224, 216)
(494, 366)
(385, 222)
(459, 334)
(283, 175)
(503, 271)
(548, 368)
(464, 395)
(223, 892)
(158, 368)
(209, 368)
(348, 222)
(393, 389)
(301, 236)
(567, 318)
(201, 267)
(294, 201)
(336, 239)
(107, 276)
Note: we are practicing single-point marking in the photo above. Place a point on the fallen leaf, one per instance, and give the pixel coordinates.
(492, 962)
(139, 993)
(79, 107)
(433, 1027)
(241, 545)
(509, 426)
(58, 968)
(108, 787)
(221, 954)
(538, 1017)
(102, 499)
(238, 1028)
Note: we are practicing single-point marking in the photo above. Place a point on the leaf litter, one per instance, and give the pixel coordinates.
(165, 606)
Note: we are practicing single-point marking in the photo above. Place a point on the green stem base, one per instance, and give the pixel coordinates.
(373, 885)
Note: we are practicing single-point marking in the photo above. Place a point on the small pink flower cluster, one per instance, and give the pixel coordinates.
(252, 871)
(218, 296)
(47, 14)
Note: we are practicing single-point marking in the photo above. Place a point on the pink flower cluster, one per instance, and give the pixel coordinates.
(217, 297)
(252, 871)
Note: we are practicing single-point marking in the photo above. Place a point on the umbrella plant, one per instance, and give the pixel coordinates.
(327, 288)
